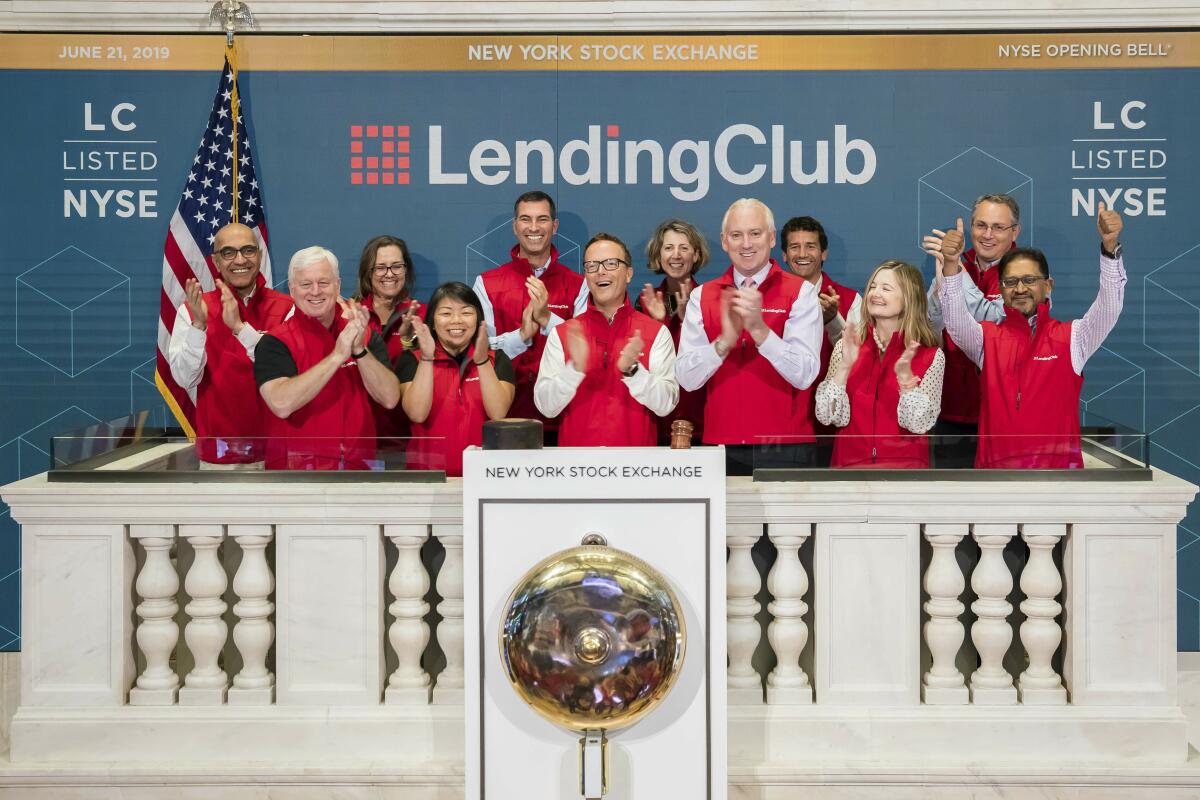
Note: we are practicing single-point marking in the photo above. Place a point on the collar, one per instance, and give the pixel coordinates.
(1013, 316)
(259, 282)
(524, 264)
(760, 277)
(624, 310)
(973, 259)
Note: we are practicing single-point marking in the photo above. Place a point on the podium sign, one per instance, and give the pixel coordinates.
(666, 507)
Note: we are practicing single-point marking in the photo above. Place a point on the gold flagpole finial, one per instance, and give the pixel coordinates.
(230, 15)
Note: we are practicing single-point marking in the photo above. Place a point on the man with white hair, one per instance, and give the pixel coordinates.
(753, 337)
(316, 371)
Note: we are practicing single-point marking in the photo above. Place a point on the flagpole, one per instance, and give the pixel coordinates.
(235, 112)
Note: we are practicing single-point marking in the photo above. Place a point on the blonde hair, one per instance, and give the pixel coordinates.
(914, 319)
(694, 237)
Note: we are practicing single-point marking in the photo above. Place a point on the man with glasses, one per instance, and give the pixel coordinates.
(211, 352)
(610, 371)
(526, 298)
(1032, 364)
(753, 337)
(995, 225)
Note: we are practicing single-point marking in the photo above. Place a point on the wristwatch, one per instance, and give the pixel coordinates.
(633, 368)
(1116, 251)
(358, 355)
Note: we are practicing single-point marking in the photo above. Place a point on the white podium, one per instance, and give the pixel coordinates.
(665, 506)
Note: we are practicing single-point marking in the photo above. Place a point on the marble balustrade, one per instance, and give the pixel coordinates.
(865, 621)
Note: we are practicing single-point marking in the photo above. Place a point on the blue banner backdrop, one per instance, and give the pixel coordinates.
(96, 160)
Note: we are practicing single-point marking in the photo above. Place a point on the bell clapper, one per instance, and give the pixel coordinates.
(593, 764)
(594, 539)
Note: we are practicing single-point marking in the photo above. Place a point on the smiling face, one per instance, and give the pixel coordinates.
(1024, 297)
(388, 284)
(993, 230)
(747, 239)
(455, 324)
(678, 258)
(237, 257)
(804, 255)
(534, 228)
(315, 289)
(607, 287)
(885, 299)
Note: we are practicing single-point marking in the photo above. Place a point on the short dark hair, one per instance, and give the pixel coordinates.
(1027, 253)
(366, 263)
(608, 237)
(452, 290)
(536, 196)
(803, 224)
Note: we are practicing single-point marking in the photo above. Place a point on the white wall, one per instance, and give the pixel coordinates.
(605, 15)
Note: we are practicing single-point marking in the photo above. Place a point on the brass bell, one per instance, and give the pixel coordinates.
(592, 639)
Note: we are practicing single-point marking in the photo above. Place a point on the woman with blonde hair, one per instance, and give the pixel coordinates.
(883, 389)
(677, 251)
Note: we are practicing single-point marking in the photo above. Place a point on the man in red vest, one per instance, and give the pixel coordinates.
(610, 371)
(316, 371)
(211, 351)
(753, 337)
(526, 298)
(1032, 364)
(805, 249)
(995, 225)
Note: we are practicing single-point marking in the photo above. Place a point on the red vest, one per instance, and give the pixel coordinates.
(334, 430)
(845, 301)
(456, 416)
(390, 425)
(505, 287)
(1029, 418)
(603, 413)
(227, 401)
(960, 387)
(691, 404)
(748, 401)
(874, 437)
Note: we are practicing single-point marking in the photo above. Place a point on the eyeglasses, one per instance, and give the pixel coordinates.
(230, 253)
(609, 264)
(983, 227)
(383, 269)
(1024, 280)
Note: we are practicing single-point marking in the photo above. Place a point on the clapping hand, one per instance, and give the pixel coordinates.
(350, 340)
(425, 343)
(829, 305)
(231, 312)
(631, 352)
(731, 322)
(851, 342)
(904, 373)
(652, 303)
(578, 344)
(194, 298)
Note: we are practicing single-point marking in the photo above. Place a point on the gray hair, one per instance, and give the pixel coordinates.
(1002, 200)
(309, 256)
(749, 203)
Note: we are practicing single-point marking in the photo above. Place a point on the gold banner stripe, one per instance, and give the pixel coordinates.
(616, 53)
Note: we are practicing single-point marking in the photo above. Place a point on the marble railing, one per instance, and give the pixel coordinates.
(965, 622)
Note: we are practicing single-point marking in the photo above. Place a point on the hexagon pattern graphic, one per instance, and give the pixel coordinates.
(948, 191)
(482, 253)
(73, 325)
(144, 395)
(1171, 322)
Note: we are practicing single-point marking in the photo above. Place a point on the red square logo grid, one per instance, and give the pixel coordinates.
(379, 154)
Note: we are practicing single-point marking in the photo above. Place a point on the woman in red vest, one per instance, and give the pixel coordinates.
(677, 251)
(884, 385)
(452, 382)
(385, 282)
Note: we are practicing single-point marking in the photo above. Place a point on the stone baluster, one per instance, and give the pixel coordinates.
(787, 632)
(157, 634)
(205, 631)
(943, 684)
(408, 583)
(449, 689)
(742, 583)
(1039, 684)
(254, 632)
(991, 684)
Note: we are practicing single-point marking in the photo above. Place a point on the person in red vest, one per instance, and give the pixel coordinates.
(1032, 364)
(805, 248)
(386, 279)
(453, 382)
(318, 371)
(526, 298)
(677, 251)
(995, 225)
(752, 337)
(883, 389)
(211, 352)
(610, 371)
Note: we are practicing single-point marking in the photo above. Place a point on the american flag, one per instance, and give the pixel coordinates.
(206, 205)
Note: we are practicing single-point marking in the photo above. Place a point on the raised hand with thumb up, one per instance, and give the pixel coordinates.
(1109, 224)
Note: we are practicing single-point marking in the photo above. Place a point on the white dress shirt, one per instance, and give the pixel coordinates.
(185, 352)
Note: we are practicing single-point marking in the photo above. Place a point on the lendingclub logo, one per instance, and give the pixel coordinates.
(740, 155)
